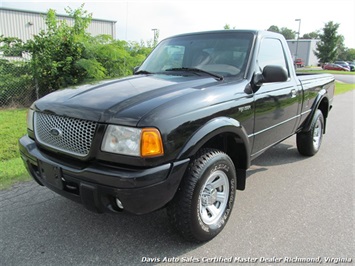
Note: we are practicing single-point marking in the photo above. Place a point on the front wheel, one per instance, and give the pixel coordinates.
(204, 201)
(308, 143)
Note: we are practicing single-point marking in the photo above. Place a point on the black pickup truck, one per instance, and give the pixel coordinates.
(181, 132)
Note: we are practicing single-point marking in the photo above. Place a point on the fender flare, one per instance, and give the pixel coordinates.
(319, 99)
(212, 128)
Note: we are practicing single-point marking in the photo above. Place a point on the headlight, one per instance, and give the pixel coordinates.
(144, 142)
(30, 119)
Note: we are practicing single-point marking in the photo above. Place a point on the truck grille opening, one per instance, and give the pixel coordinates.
(66, 134)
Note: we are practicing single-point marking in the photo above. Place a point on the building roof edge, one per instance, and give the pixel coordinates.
(45, 13)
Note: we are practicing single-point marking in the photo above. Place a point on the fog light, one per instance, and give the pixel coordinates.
(119, 203)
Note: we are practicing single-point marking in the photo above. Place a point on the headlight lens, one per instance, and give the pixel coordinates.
(30, 119)
(122, 140)
(145, 142)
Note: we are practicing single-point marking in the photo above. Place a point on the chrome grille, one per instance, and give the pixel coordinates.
(70, 135)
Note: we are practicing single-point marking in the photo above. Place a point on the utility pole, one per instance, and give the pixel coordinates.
(156, 35)
(298, 36)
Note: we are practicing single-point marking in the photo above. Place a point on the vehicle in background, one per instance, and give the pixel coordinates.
(343, 64)
(351, 65)
(299, 62)
(331, 66)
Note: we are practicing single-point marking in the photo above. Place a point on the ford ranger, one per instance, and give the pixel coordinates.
(181, 132)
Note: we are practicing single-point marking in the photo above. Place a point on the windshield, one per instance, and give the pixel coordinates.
(223, 53)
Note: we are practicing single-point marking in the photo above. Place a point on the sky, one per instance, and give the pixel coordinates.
(136, 19)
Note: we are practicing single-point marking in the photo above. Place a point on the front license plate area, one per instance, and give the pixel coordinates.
(51, 174)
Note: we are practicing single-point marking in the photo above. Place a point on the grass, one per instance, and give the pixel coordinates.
(343, 87)
(318, 70)
(13, 126)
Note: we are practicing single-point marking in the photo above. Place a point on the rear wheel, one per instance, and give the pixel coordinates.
(308, 143)
(204, 201)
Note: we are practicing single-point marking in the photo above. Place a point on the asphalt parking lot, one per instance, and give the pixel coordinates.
(295, 210)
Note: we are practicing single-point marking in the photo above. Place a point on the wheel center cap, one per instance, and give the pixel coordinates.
(209, 196)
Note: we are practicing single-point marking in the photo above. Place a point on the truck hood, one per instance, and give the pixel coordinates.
(122, 101)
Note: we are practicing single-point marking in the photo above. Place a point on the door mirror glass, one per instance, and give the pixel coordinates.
(274, 74)
(270, 74)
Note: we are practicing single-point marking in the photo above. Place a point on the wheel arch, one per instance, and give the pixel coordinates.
(225, 134)
(323, 104)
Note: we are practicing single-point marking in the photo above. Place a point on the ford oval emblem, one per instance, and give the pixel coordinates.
(56, 132)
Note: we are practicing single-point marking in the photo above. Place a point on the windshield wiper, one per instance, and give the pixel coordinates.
(191, 69)
(142, 72)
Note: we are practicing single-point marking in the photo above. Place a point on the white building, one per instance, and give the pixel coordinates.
(304, 50)
(24, 24)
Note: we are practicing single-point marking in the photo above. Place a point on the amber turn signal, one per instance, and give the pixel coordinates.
(151, 142)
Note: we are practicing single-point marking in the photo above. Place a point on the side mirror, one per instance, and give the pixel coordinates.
(270, 74)
(274, 74)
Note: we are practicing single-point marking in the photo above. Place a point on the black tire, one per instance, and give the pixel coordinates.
(205, 198)
(308, 143)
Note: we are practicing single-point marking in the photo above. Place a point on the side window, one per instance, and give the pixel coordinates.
(271, 53)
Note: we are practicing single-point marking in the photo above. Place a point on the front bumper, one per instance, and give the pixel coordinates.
(98, 186)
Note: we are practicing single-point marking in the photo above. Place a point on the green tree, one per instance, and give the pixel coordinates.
(138, 52)
(286, 32)
(341, 48)
(64, 55)
(228, 27)
(347, 54)
(327, 49)
(16, 84)
(116, 57)
(156, 37)
(57, 50)
(311, 35)
(11, 46)
(350, 54)
(274, 28)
